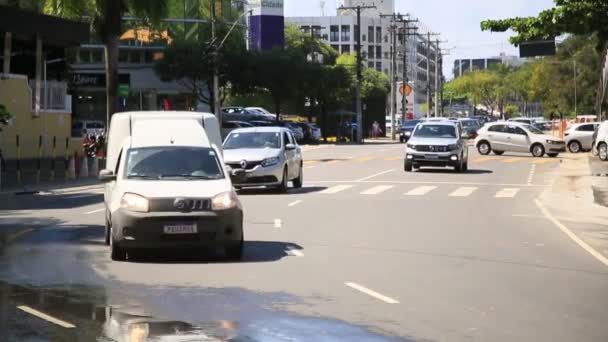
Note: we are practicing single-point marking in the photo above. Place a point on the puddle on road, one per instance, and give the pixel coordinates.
(87, 308)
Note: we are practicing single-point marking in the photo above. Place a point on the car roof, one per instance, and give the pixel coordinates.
(272, 129)
(438, 122)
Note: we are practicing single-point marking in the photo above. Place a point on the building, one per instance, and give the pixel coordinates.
(340, 32)
(463, 65)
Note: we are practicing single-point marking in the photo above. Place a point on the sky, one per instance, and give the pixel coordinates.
(457, 22)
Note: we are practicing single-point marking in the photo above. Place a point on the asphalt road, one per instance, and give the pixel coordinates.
(364, 252)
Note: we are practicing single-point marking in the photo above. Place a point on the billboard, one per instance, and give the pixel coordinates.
(409, 92)
(266, 24)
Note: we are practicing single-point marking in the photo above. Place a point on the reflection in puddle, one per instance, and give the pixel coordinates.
(95, 320)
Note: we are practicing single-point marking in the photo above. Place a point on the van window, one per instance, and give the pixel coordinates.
(153, 163)
(286, 138)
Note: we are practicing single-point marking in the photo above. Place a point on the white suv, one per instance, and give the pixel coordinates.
(504, 137)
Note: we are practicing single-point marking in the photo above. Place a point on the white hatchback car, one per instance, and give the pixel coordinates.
(504, 137)
(579, 137)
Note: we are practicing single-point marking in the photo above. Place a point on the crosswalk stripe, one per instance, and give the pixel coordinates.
(463, 192)
(336, 189)
(512, 160)
(507, 193)
(393, 158)
(377, 190)
(421, 191)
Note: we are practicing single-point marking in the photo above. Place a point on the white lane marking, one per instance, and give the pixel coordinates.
(377, 190)
(463, 192)
(436, 183)
(46, 317)
(336, 189)
(94, 211)
(571, 235)
(421, 191)
(532, 173)
(294, 203)
(372, 293)
(374, 176)
(507, 193)
(278, 223)
(292, 251)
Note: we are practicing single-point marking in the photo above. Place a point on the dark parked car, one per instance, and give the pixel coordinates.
(406, 129)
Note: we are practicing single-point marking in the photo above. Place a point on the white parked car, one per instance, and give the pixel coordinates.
(504, 137)
(579, 137)
(601, 141)
(268, 156)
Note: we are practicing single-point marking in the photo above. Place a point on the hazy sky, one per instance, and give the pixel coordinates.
(457, 21)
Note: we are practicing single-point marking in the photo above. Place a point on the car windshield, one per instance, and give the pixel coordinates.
(173, 162)
(435, 131)
(253, 140)
(469, 123)
(533, 129)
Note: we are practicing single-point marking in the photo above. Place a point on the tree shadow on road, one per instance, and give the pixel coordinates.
(58, 201)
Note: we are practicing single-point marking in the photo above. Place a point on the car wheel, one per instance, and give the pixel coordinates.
(574, 147)
(108, 230)
(484, 148)
(283, 187)
(401, 140)
(553, 155)
(298, 182)
(538, 150)
(498, 153)
(603, 151)
(460, 166)
(235, 252)
(117, 253)
(407, 166)
(465, 166)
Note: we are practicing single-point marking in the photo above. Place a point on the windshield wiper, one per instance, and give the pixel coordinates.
(142, 176)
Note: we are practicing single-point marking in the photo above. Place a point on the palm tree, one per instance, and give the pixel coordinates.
(106, 18)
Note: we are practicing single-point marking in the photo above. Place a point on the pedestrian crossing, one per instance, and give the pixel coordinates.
(450, 191)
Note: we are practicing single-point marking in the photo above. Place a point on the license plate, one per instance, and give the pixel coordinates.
(180, 228)
(431, 156)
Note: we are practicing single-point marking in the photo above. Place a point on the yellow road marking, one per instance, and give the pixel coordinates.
(333, 162)
(545, 161)
(310, 162)
(363, 159)
(393, 158)
(512, 160)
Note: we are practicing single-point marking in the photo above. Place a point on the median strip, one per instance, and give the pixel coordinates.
(46, 317)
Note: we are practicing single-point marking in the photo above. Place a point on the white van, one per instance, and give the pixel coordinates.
(166, 186)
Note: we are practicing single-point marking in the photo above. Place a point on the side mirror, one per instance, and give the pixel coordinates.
(106, 176)
(290, 147)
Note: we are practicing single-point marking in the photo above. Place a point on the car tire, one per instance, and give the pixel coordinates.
(407, 166)
(298, 182)
(459, 167)
(538, 150)
(465, 166)
(553, 155)
(284, 182)
(235, 253)
(602, 150)
(484, 148)
(575, 147)
(401, 140)
(498, 153)
(108, 231)
(117, 253)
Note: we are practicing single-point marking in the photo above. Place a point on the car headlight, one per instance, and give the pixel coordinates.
(554, 142)
(135, 202)
(270, 162)
(452, 147)
(413, 147)
(408, 133)
(225, 200)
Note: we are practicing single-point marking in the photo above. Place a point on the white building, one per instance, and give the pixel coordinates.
(376, 42)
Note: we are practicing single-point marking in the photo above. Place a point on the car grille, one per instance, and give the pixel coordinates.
(431, 148)
(250, 165)
(191, 205)
(262, 180)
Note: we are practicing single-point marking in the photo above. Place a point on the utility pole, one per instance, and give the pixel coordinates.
(394, 82)
(575, 92)
(428, 72)
(437, 79)
(359, 75)
(216, 86)
(406, 82)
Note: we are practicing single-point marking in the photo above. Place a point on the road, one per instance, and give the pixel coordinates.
(364, 252)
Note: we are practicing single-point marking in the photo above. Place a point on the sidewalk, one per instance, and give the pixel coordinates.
(572, 199)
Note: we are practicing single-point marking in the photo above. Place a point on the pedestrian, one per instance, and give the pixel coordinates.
(375, 128)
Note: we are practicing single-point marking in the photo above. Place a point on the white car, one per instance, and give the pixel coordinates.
(268, 156)
(504, 137)
(527, 121)
(601, 141)
(579, 137)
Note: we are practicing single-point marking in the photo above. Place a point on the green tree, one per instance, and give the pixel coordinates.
(581, 17)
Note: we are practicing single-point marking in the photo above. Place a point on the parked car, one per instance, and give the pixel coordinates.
(513, 136)
(229, 126)
(316, 132)
(406, 129)
(80, 128)
(262, 123)
(297, 131)
(527, 121)
(436, 143)
(601, 142)
(309, 131)
(579, 137)
(269, 156)
(470, 127)
(269, 115)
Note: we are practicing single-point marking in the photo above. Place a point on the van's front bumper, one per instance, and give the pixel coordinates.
(147, 230)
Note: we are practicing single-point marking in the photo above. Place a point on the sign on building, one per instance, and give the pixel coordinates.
(409, 92)
(266, 24)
